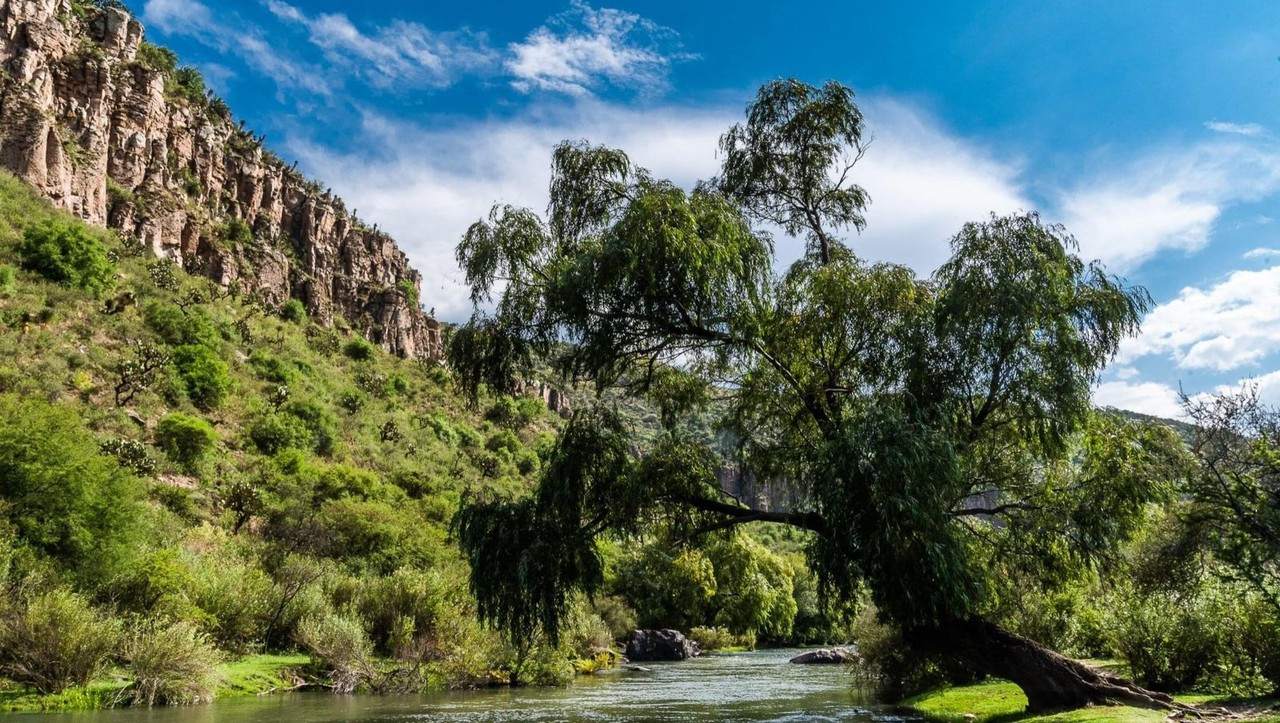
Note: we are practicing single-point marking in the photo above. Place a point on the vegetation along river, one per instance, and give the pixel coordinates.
(754, 686)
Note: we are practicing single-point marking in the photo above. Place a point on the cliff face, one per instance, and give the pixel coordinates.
(94, 126)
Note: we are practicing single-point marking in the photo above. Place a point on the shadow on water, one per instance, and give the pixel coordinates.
(755, 686)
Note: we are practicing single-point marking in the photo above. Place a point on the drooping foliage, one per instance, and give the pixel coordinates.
(905, 414)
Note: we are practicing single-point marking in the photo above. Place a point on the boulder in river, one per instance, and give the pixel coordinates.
(644, 645)
(829, 656)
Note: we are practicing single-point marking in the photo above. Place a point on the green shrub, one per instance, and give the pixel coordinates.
(7, 280)
(275, 432)
(205, 376)
(186, 440)
(1169, 641)
(157, 57)
(272, 368)
(709, 639)
(67, 252)
(235, 596)
(399, 608)
(171, 664)
(64, 498)
(319, 422)
(359, 350)
(235, 231)
(294, 311)
(54, 640)
(339, 644)
(178, 328)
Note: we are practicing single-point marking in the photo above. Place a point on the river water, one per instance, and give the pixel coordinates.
(755, 686)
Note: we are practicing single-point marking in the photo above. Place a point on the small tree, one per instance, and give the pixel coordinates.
(186, 440)
(67, 252)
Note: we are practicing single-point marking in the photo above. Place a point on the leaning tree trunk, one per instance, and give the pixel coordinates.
(1049, 680)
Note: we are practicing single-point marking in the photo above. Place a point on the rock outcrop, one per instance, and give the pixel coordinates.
(91, 117)
(646, 645)
(831, 656)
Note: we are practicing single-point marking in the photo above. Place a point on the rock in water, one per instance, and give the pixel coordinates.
(830, 656)
(644, 645)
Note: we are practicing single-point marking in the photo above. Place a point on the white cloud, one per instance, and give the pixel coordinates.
(1239, 129)
(1232, 324)
(1261, 253)
(584, 49)
(193, 19)
(426, 184)
(398, 54)
(1152, 398)
(1165, 201)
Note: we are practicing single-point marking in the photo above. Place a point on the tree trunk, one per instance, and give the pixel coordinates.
(1050, 681)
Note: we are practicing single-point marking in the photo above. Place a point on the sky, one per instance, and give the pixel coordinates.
(1151, 130)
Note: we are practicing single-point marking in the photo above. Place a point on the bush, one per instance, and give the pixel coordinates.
(171, 665)
(67, 252)
(709, 639)
(318, 421)
(339, 643)
(275, 432)
(65, 499)
(272, 368)
(186, 440)
(232, 592)
(204, 375)
(1169, 642)
(7, 280)
(359, 350)
(55, 640)
(181, 329)
(294, 311)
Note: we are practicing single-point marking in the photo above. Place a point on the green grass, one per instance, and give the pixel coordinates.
(1001, 702)
(249, 676)
(258, 674)
(101, 694)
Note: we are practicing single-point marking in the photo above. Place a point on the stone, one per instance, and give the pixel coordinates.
(829, 656)
(646, 645)
(96, 134)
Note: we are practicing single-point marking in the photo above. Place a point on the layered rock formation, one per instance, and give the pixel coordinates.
(90, 117)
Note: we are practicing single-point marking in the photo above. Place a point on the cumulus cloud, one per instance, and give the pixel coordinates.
(402, 54)
(1261, 253)
(1152, 398)
(584, 49)
(427, 184)
(1239, 129)
(1232, 324)
(1166, 201)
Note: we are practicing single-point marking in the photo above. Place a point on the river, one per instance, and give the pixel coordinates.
(754, 686)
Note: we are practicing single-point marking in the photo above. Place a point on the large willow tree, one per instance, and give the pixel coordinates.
(926, 426)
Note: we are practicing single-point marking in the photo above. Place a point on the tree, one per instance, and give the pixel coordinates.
(1236, 489)
(925, 425)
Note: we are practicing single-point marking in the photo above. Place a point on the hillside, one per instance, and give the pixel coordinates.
(112, 129)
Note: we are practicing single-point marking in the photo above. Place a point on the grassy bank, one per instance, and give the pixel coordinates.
(1001, 702)
(249, 676)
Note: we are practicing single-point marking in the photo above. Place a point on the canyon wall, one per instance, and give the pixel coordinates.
(92, 120)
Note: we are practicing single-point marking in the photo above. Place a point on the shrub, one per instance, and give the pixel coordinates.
(130, 453)
(7, 280)
(339, 643)
(231, 590)
(294, 311)
(271, 367)
(64, 498)
(709, 639)
(204, 375)
(1169, 642)
(359, 350)
(177, 328)
(186, 440)
(157, 57)
(67, 252)
(275, 432)
(55, 640)
(318, 421)
(171, 665)
(235, 231)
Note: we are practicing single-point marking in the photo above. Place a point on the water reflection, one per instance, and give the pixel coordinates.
(757, 686)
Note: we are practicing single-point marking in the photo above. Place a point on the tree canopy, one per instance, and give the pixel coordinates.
(924, 424)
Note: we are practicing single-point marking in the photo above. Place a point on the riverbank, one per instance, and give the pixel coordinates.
(249, 676)
(1001, 702)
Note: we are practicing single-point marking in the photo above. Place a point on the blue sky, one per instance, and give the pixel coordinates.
(1151, 129)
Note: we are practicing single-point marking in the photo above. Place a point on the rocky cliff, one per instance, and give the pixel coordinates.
(103, 124)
